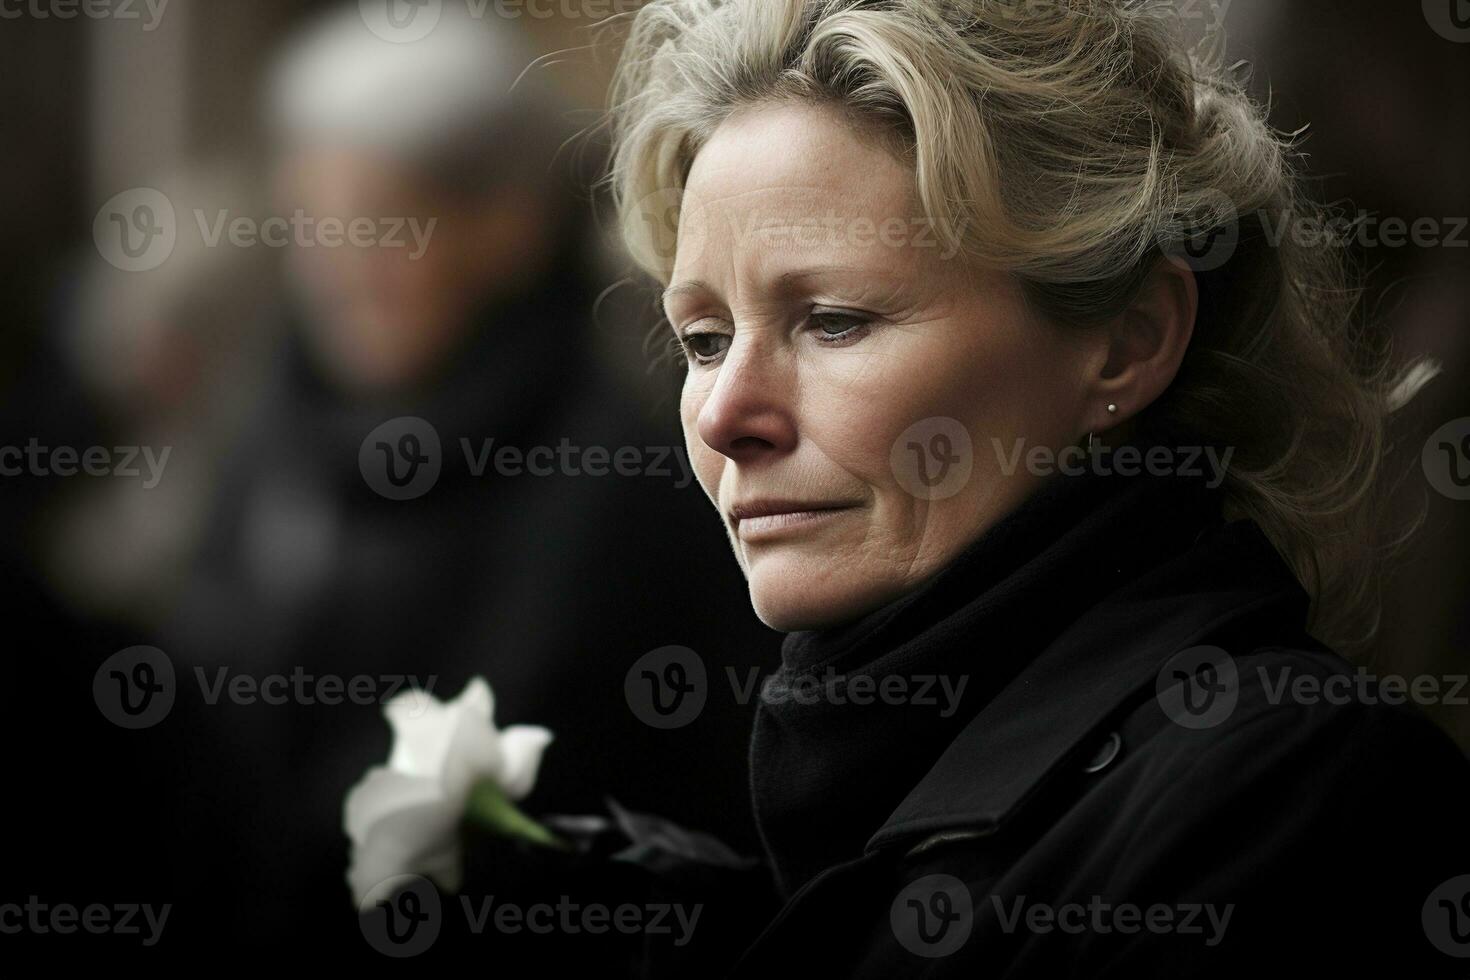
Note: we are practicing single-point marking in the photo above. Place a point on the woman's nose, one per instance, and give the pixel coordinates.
(749, 411)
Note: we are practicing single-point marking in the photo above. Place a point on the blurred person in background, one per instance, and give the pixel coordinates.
(172, 359)
(551, 586)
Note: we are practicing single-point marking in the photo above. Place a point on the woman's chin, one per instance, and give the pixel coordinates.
(790, 594)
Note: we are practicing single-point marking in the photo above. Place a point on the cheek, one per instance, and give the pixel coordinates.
(920, 421)
(993, 377)
(929, 389)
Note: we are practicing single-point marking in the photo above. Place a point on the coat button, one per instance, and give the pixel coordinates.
(1105, 754)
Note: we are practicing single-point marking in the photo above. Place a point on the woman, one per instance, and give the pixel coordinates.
(1059, 470)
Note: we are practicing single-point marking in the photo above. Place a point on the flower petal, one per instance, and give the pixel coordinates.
(521, 748)
(415, 840)
(472, 749)
(477, 698)
(421, 733)
(382, 792)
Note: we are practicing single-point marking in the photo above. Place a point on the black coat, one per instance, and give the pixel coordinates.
(1127, 804)
(1142, 780)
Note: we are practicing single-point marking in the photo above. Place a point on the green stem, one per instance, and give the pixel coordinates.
(491, 808)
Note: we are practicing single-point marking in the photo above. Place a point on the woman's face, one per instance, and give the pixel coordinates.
(859, 404)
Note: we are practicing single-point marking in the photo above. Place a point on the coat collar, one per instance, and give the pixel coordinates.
(1043, 720)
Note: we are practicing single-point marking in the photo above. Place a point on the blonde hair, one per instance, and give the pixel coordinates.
(1071, 143)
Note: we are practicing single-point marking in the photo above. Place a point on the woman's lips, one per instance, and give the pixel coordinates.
(765, 519)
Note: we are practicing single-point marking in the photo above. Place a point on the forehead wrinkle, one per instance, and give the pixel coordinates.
(732, 177)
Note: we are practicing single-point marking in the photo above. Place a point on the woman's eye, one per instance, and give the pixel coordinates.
(833, 327)
(705, 346)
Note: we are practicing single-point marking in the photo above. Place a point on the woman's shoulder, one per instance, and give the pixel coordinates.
(1301, 770)
(1294, 740)
(1320, 813)
(1303, 706)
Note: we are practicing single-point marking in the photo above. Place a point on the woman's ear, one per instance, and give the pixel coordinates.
(1145, 345)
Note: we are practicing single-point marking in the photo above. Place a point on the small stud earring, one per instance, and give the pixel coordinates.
(1112, 409)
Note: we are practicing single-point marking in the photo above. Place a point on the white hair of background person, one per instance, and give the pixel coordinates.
(467, 93)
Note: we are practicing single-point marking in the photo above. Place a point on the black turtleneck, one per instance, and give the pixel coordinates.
(827, 771)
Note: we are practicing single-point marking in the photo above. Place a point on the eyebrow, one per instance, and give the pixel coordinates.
(783, 280)
(678, 289)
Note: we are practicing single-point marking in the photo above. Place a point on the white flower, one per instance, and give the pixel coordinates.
(404, 818)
